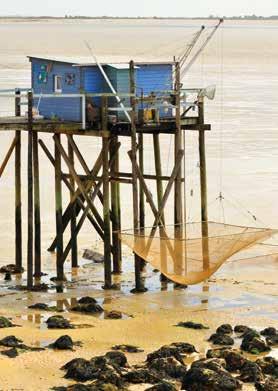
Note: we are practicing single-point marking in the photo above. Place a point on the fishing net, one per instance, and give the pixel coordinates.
(191, 253)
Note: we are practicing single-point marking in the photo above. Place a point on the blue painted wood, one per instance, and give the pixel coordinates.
(63, 108)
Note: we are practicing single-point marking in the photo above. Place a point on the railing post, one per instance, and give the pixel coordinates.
(83, 111)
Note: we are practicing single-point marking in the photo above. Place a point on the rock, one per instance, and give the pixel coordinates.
(203, 379)
(221, 339)
(39, 306)
(251, 373)
(101, 386)
(116, 358)
(217, 353)
(11, 341)
(4, 322)
(184, 347)
(8, 276)
(58, 322)
(224, 329)
(270, 384)
(234, 360)
(93, 256)
(241, 329)
(12, 269)
(269, 366)
(87, 300)
(192, 325)
(142, 375)
(215, 364)
(113, 315)
(272, 340)
(254, 344)
(91, 308)
(269, 332)
(63, 343)
(168, 367)
(80, 369)
(11, 353)
(127, 348)
(162, 386)
(249, 334)
(164, 352)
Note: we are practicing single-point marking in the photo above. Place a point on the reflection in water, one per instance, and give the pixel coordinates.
(205, 289)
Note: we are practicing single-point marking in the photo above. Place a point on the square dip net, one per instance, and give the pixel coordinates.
(191, 253)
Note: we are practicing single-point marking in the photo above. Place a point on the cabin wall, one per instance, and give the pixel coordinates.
(68, 109)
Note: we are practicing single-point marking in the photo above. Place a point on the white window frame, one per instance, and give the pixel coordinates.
(57, 90)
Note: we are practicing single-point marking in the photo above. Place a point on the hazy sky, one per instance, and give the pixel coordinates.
(138, 8)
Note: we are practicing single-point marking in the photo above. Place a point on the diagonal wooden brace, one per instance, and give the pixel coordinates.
(8, 155)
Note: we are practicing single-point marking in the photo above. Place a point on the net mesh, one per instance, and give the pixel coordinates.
(191, 253)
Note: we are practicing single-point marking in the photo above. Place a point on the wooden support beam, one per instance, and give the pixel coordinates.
(106, 195)
(18, 202)
(77, 196)
(139, 287)
(7, 157)
(73, 244)
(115, 209)
(59, 211)
(141, 191)
(30, 194)
(203, 187)
(37, 221)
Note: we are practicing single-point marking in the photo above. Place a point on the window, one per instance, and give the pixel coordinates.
(57, 83)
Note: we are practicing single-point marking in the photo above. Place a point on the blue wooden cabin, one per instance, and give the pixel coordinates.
(51, 76)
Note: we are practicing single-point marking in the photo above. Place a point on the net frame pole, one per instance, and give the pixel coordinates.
(30, 207)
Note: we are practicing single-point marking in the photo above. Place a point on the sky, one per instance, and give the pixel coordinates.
(184, 8)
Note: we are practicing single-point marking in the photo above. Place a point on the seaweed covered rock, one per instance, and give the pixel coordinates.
(224, 329)
(164, 352)
(234, 360)
(272, 340)
(162, 386)
(141, 375)
(269, 366)
(12, 269)
(5, 322)
(113, 315)
(58, 322)
(269, 332)
(116, 358)
(168, 367)
(241, 329)
(254, 344)
(221, 339)
(204, 379)
(10, 341)
(192, 325)
(63, 343)
(184, 347)
(91, 308)
(39, 306)
(11, 353)
(215, 364)
(270, 384)
(251, 373)
(127, 348)
(217, 352)
(87, 300)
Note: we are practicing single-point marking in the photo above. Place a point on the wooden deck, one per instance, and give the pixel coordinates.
(121, 128)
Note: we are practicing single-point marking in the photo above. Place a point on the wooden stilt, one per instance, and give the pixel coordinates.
(115, 209)
(59, 220)
(37, 206)
(30, 194)
(18, 209)
(139, 287)
(141, 191)
(203, 185)
(74, 256)
(106, 206)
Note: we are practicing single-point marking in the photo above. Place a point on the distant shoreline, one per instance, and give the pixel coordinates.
(80, 17)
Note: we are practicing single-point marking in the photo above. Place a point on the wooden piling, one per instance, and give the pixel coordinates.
(138, 266)
(59, 214)
(30, 194)
(203, 185)
(18, 203)
(37, 226)
(106, 197)
(74, 251)
(115, 209)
